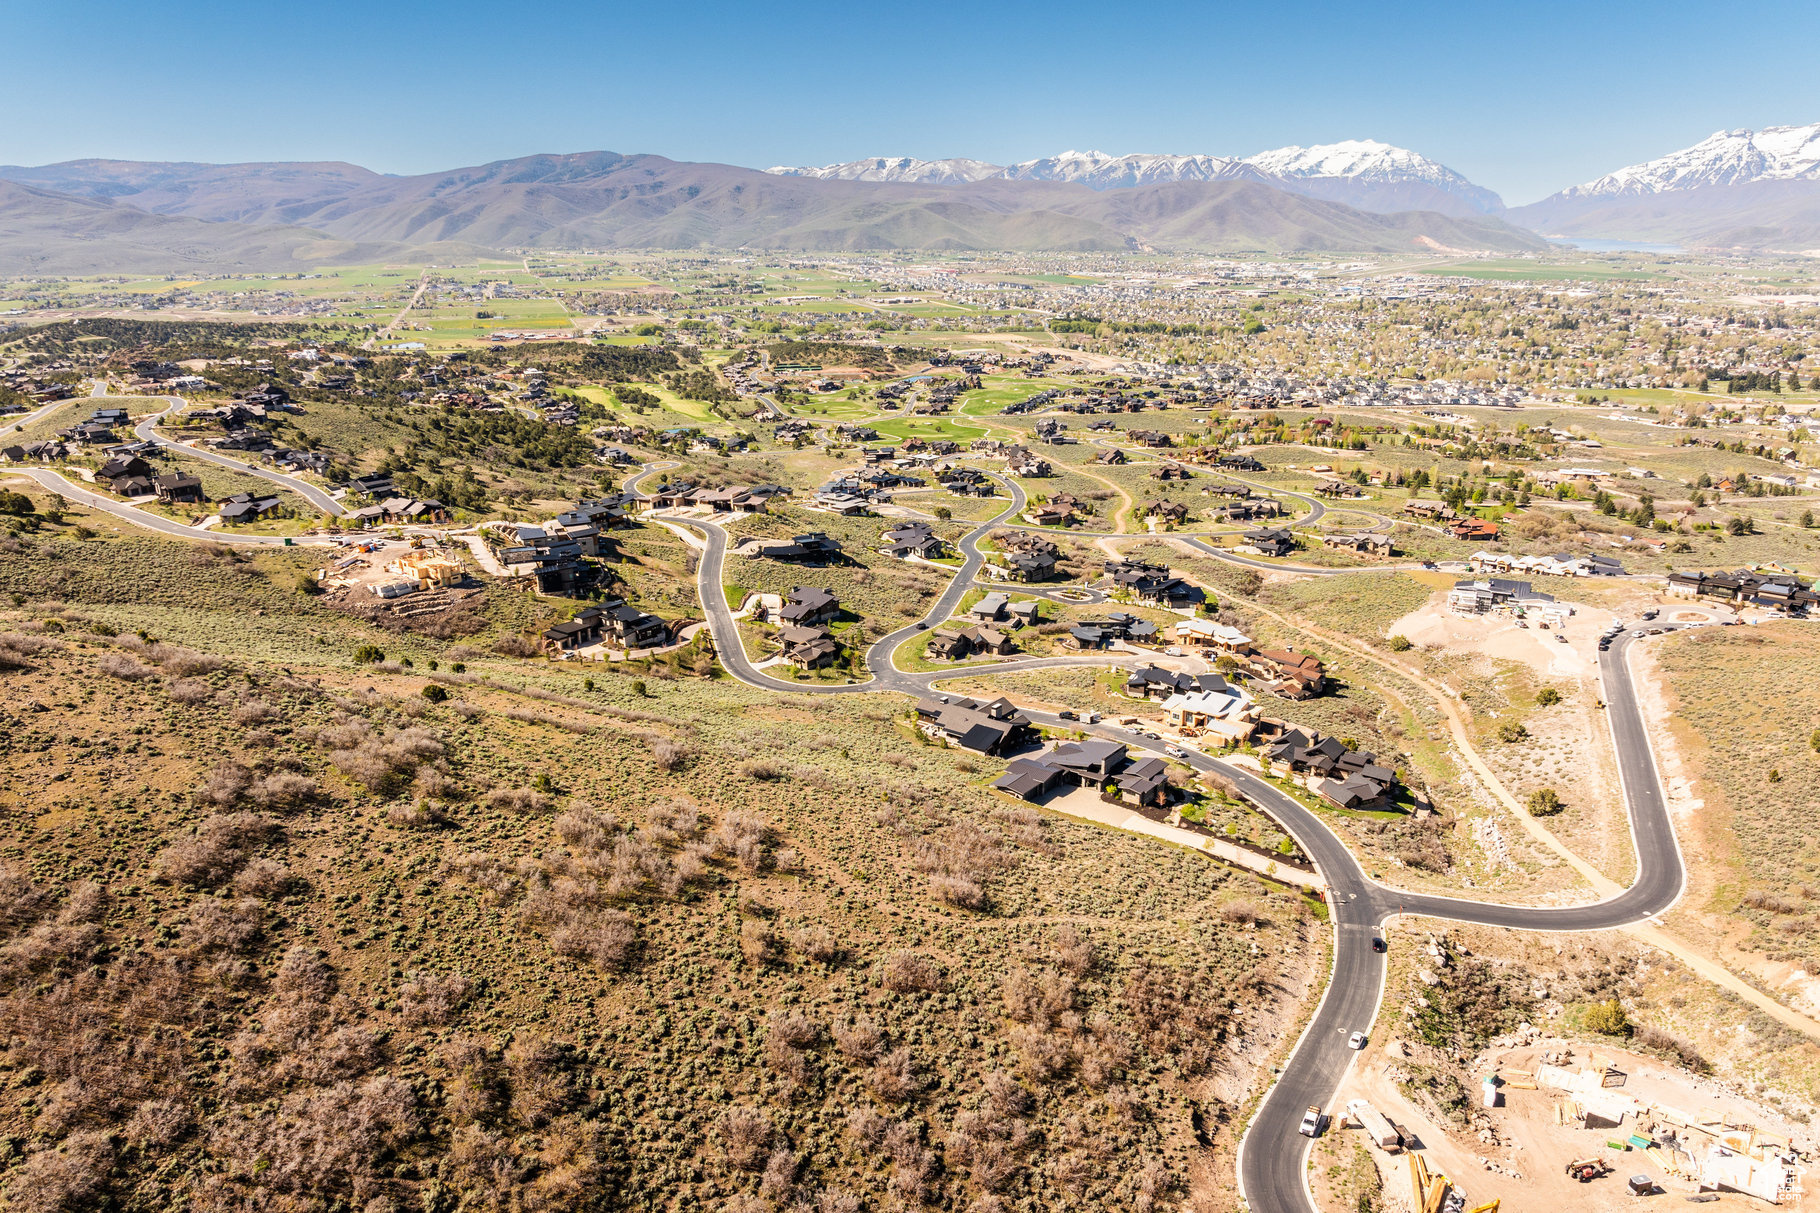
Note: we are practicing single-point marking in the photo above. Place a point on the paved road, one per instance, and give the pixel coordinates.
(142, 518)
(1272, 1159)
(147, 431)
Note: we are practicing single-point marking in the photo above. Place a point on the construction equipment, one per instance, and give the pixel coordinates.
(1585, 1170)
(1490, 1206)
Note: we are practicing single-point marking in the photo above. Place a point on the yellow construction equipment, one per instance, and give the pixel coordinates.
(1490, 1206)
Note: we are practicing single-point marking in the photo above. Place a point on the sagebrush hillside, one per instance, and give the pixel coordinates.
(284, 931)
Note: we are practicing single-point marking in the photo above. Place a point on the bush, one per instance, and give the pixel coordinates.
(1512, 732)
(435, 693)
(1607, 1018)
(369, 654)
(1548, 697)
(514, 646)
(1400, 644)
(1544, 802)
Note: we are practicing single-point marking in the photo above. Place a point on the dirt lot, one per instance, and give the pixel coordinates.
(1516, 1152)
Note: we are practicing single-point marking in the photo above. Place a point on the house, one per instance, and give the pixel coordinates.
(626, 627)
(906, 540)
(989, 609)
(1111, 456)
(1345, 777)
(1368, 543)
(1291, 674)
(1169, 511)
(1027, 566)
(178, 487)
(244, 507)
(1154, 682)
(1049, 514)
(809, 604)
(1489, 594)
(1205, 634)
(959, 644)
(808, 648)
(1239, 463)
(372, 486)
(974, 724)
(1474, 529)
(1024, 464)
(811, 548)
(1267, 541)
(1093, 763)
(1152, 583)
(115, 473)
(1434, 511)
(1171, 471)
(1229, 715)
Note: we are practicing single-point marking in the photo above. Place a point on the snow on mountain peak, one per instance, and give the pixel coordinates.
(1735, 157)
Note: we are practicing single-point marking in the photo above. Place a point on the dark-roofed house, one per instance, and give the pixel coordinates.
(1093, 762)
(988, 727)
(809, 604)
(1267, 541)
(179, 487)
(812, 548)
(116, 472)
(244, 507)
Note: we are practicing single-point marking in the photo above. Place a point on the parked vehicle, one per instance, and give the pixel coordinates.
(1356, 1040)
(1311, 1122)
(1175, 751)
(1065, 714)
(1378, 945)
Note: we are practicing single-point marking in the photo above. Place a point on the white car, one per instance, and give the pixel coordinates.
(1175, 751)
(1356, 1040)
(1172, 652)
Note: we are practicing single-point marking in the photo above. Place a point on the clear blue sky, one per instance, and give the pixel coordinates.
(1523, 98)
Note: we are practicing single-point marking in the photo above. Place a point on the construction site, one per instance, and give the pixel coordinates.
(404, 579)
(1555, 1125)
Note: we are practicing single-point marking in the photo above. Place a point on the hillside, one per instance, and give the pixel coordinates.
(1770, 214)
(280, 930)
(42, 232)
(602, 199)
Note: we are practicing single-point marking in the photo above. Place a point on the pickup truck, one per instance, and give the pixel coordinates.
(1311, 1122)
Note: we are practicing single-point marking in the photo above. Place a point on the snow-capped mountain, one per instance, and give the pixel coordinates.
(898, 168)
(1776, 153)
(1104, 172)
(1367, 160)
(1359, 172)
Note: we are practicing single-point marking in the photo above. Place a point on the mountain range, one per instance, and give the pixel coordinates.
(1738, 189)
(1362, 173)
(1733, 189)
(594, 200)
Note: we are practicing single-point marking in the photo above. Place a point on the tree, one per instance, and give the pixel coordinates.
(1544, 802)
(1607, 1018)
(1400, 644)
(638, 688)
(1548, 697)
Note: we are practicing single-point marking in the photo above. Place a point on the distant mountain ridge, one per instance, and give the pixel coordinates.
(1734, 189)
(608, 200)
(1364, 173)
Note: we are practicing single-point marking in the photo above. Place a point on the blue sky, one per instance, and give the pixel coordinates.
(1522, 98)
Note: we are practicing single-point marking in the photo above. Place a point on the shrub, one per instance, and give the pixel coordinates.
(1544, 802)
(369, 654)
(518, 800)
(904, 971)
(1400, 644)
(1547, 697)
(512, 645)
(1607, 1018)
(1512, 732)
(746, 1135)
(432, 998)
(435, 693)
(119, 665)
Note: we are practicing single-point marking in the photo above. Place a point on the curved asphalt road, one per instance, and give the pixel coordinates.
(1273, 1156)
(152, 522)
(147, 431)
